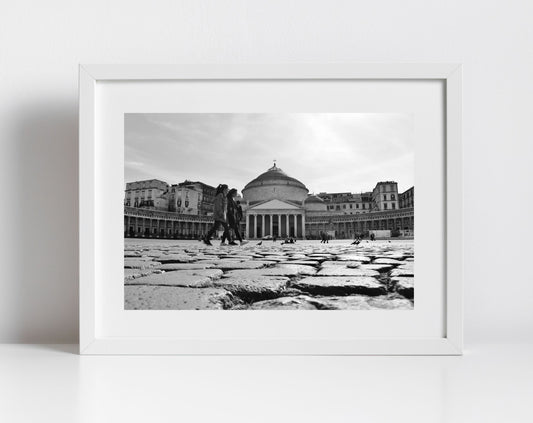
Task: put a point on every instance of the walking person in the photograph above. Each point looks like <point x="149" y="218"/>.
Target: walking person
<point x="219" y="214"/>
<point x="238" y="217"/>
<point x="233" y="217"/>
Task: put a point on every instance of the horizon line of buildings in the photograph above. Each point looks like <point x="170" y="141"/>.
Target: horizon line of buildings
<point x="274" y="204"/>
<point x="197" y="198"/>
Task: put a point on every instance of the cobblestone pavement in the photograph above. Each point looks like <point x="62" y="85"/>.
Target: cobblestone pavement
<point x="307" y="275"/>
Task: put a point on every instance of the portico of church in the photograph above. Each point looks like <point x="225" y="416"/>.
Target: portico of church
<point x="276" y="218"/>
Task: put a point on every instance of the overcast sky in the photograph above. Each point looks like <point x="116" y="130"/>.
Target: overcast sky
<point x="337" y="152"/>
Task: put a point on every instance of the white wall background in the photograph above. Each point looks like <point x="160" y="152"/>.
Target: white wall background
<point x="41" y="44"/>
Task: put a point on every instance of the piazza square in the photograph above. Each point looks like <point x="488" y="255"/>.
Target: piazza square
<point x="306" y="275"/>
<point x="331" y="251"/>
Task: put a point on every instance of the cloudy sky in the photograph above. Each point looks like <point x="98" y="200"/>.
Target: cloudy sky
<point x="334" y="152"/>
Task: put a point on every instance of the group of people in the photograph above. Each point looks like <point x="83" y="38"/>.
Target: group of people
<point x="228" y="214"/>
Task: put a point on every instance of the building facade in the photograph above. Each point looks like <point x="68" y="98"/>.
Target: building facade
<point x="385" y="196"/>
<point x="206" y="196"/>
<point x="274" y="205"/>
<point x="145" y="193"/>
<point x="280" y="206"/>
<point x="184" y="200"/>
<point x="347" y="202"/>
<point x="407" y="198"/>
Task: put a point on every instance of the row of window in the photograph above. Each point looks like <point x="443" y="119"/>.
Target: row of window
<point x="142" y="203"/>
<point x="338" y="206"/>
<point x="141" y="198"/>
<point x="141" y="193"/>
<point x="386" y="206"/>
<point x="392" y="197"/>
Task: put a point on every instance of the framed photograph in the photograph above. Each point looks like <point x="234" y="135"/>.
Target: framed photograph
<point x="270" y="209"/>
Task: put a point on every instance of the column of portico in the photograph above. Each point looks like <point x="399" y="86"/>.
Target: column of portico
<point x="295" y="221"/>
<point x="279" y="226"/>
<point x="287" y="224"/>
<point x="254" y="229"/>
<point x="262" y="225"/>
<point x="271" y="225"/>
<point x="303" y="225"/>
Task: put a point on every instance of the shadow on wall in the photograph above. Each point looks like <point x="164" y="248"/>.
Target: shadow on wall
<point x="44" y="298"/>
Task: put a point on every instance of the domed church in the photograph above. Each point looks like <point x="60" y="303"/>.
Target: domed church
<point x="276" y="205"/>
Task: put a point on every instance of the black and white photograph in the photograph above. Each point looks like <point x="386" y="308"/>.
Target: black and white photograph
<point x="269" y="211"/>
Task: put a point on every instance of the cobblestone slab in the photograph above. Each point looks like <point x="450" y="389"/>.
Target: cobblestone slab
<point x="136" y="273"/>
<point x="404" y="286"/>
<point x="143" y="297"/>
<point x="353" y="257"/>
<point x="346" y="271"/>
<point x="393" y="256"/>
<point x="331" y="285"/>
<point x="187" y="278"/>
<point x="285" y="303"/>
<point x="185" y="266"/>
<point x="350" y="302"/>
<point x="275" y="259"/>
<point x="403" y="271"/>
<point x="233" y="265"/>
<point x="331" y="263"/>
<point x="388" y="303"/>
<point x="377" y="267"/>
<point x="140" y="264"/>
<point x="174" y="258"/>
<point x="303" y="262"/>
<point x="278" y="270"/>
<point x="297" y="257"/>
<point x="254" y="288"/>
<point x="387" y="261"/>
<point x="152" y="253"/>
<point x="361" y="302"/>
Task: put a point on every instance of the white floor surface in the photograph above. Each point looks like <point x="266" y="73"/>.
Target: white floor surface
<point x="41" y="383"/>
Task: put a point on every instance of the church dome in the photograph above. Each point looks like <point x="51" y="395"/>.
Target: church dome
<point x="315" y="203"/>
<point x="275" y="184"/>
<point x="314" y="199"/>
<point x="274" y="175"/>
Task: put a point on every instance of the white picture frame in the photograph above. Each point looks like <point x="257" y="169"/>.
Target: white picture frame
<point x="93" y="341"/>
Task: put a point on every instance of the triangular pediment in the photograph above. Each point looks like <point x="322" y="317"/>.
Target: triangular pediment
<point x="274" y="205"/>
